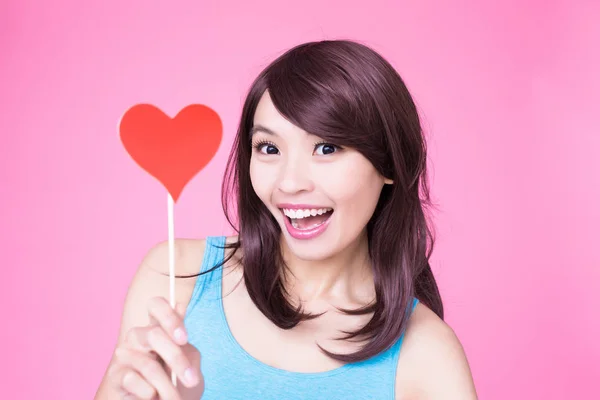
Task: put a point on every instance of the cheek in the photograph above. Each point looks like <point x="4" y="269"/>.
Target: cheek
<point x="262" y="179"/>
<point x="356" y="187"/>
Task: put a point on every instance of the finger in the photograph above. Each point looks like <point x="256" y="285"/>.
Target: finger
<point x="137" y="339"/>
<point x="151" y="371"/>
<point x="129" y="396"/>
<point x="172" y="323"/>
<point x="125" y="395"/>
<point x="180" y="309"/>
<point x="136" y="386"/>
<point x="173" y="356"/>
<point x="121" y="379"/>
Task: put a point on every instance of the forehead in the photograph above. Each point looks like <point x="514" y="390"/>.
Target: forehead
<point x="265" y="110"/>
<point x="269" y="120"/>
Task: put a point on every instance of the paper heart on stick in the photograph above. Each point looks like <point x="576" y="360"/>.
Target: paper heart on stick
<point x="173" y="150"/>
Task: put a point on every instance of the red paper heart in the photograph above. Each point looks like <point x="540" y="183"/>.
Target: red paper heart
<point x="173" y="150"/>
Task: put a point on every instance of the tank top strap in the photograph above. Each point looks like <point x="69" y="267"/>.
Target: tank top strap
<point x="398" y="345"/>
<point x="214" y="254"/>
<point x="231" y="373"/>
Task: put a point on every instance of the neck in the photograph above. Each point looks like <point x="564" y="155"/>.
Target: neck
<point x="342" y="278"/>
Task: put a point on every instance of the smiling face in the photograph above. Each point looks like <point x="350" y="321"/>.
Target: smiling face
<point x="321" y="195"/>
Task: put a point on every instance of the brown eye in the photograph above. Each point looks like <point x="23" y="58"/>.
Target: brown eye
<point x="326" y="148"/>
<point x="266" y="148"/>
<point x="270" y="149"/>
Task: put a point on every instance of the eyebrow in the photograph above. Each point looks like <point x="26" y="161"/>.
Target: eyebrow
<point x="261" y="128"/>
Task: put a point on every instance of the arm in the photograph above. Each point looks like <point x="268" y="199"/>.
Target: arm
<point x="432" y="364"/>
<point x="149" y="281"/>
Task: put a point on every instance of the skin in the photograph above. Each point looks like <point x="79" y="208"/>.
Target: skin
<point x="327" y="272"/>
<point x="293" y="168"/>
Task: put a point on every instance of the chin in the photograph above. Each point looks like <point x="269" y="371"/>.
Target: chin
<point x="320" y="248"/>
<point x="310" y="251"/>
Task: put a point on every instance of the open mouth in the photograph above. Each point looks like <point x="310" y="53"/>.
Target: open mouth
<point x="307" y="219"/>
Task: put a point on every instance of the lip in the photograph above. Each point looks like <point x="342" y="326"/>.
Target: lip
<point x="289" y="206"/>
<point x="305" y="234"/>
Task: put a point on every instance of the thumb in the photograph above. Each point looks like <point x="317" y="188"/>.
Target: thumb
<point x="180" y="309"/>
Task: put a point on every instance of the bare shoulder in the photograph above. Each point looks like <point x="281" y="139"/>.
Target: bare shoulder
<point x="432" y="362"/>
<point x="188" y="253"/>
<point x="151" y="280"/>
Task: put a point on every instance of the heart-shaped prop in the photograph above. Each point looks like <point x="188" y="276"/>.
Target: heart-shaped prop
<point x="173" y="150"/>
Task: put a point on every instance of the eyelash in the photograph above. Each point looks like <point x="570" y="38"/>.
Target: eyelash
<point x="261" y="143"/>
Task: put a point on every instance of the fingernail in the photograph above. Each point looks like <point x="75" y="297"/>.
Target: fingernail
<point x="190" y="376"/>
<point x="180" y="335"/>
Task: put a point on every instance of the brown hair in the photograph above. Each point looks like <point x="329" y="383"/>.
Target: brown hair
<point x="349" y="95"/>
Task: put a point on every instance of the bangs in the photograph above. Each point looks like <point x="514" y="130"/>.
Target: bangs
<point x="317" y="94"/>
<point x="347" y="94"/>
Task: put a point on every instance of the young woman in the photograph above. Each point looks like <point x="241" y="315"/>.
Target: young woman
<point x="326" y="290"/>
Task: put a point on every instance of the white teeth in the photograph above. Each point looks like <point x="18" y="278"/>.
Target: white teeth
<point x="299" y="214"/>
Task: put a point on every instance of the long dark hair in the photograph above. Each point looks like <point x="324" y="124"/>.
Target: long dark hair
<point x="349" y="95"/>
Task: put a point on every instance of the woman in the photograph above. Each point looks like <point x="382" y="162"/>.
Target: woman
<point x="328" y="278"/>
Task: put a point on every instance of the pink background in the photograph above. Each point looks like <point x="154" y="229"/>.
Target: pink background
<point x="510" y="96"/>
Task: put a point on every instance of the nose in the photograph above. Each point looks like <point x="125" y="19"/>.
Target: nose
<point x="295" y="177"/>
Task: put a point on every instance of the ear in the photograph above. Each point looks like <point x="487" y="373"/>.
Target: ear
<point x="388" y="181"/>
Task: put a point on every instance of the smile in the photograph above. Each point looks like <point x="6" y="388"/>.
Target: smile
<point x="306" y="223"/>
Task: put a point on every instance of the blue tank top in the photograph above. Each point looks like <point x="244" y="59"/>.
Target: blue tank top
<point x="230" y="373"/>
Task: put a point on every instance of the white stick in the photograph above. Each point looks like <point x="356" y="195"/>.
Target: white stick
<point x="171" y="263"/>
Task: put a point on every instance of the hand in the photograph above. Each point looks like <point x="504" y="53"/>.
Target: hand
<point x="143" y="363"/>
